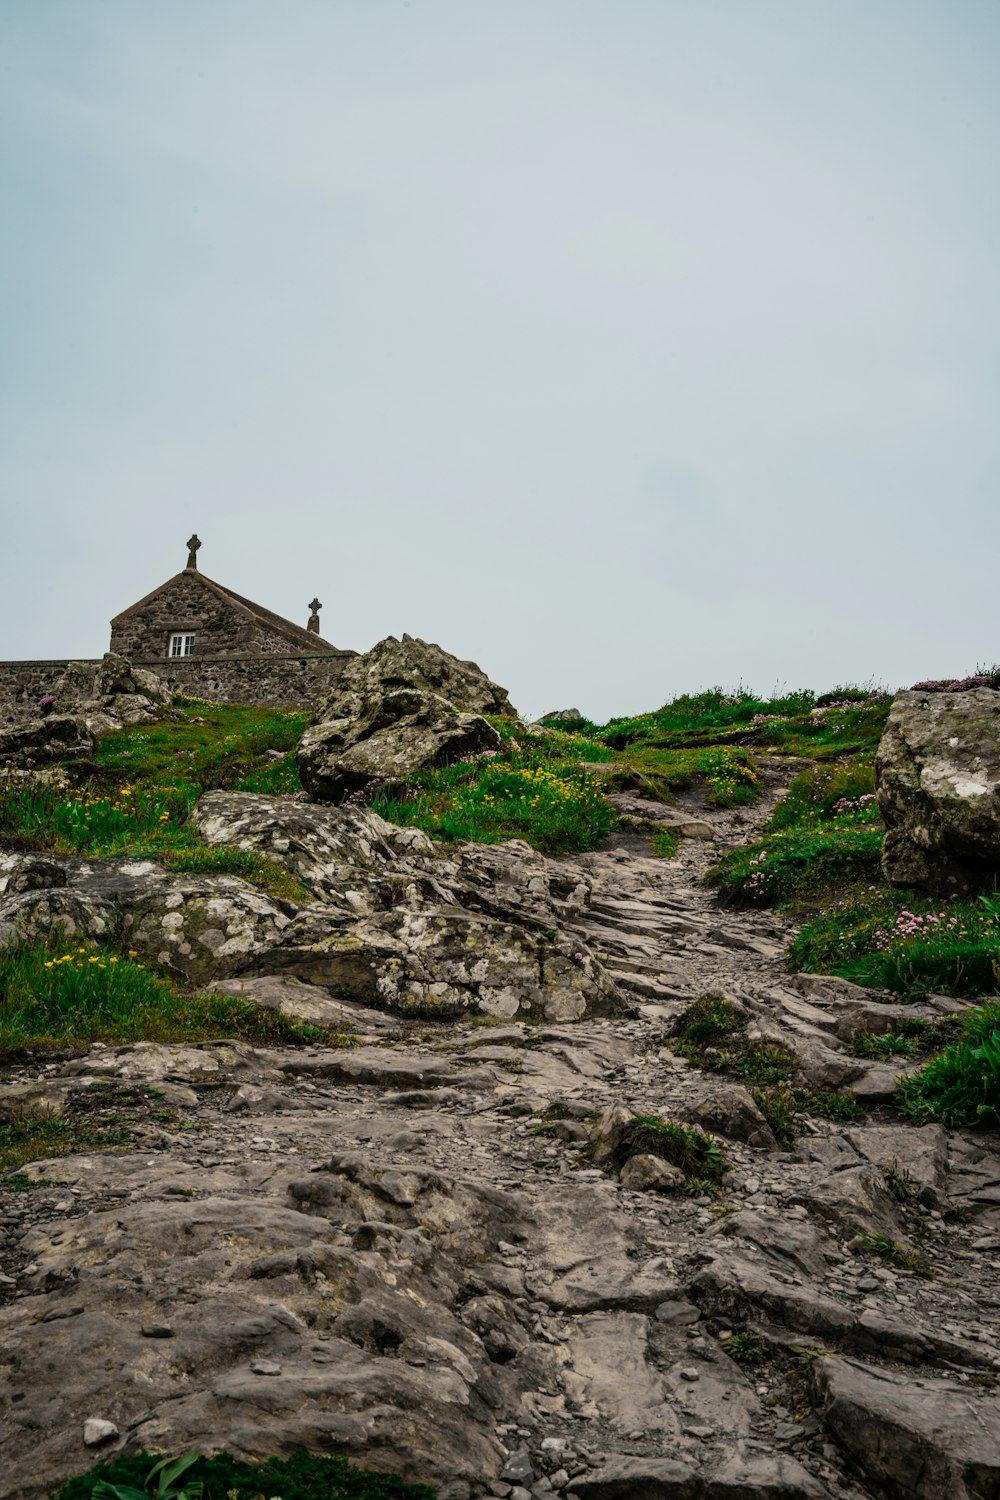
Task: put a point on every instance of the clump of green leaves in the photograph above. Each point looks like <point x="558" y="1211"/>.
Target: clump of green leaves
<point x="883" y="1046"/>
<point x="302" y="1476"/>
<point x="747" y="1349"/>
<point x="697" y="1155"/>
<point x="899" y="1181"/>
<point x="961" y="1085"/>
<point x="891" y="1251"/>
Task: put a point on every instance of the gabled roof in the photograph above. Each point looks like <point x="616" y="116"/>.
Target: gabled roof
<point x="296" y="635"/>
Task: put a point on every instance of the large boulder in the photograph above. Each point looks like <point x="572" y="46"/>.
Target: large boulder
<point x="938" y="783"/>
<point x="395" y="924"/>
<point x="411" y="663"/>
<point x="403" y="706"/>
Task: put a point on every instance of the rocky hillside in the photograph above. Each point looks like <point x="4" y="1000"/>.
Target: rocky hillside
<point x="562" y="1163"/>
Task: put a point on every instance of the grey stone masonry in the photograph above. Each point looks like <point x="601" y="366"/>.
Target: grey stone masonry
<point x="294" y="681"/>
<point x="222" y="624"/>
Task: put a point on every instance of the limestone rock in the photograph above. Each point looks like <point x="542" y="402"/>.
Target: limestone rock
<point x="622" y="1477"/>
<point x="938" y="781"/>
<point x="59" y="737"/>
<point x="560" y="716"/>
<point x="403" y="706"/>
<point x="411" y="663"/>
<point x="98" y="1430"/>
<point x="928" y="1441"/>
<point x="650" y="1174"/>
<point x="764" y="1476"/>
<point x="443" y="962"/>
<point x="418" y="930"/>
<point x="730" y="1111"/>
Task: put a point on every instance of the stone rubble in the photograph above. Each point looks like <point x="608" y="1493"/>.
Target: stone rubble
<point x="399" y="1251"/>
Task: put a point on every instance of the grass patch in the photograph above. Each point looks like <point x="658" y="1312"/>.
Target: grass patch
<point x="135" y="797"/>
<point x="70" y="996"/>
<point x="909" y="944"/>
<point x="33" y="1138"/>
<point x="838" y="794"/>
<point x="697" y="1155"/>
<point x="844" y="721"/>
<point x="961" y="1086"/>
<point x="224" y="859"/>
<point x="894" y="1253"/>
<point x="747" y="1349"/>
<point x="20" y="1182"/>
<point x="303" y="1476"/>
<point x="804" y="861"/>
<point x="532" y="789"/>
<point x="665" y="843"/>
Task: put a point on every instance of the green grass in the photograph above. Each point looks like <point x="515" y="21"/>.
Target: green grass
<point x="848" y="720"/>
<point x="696" y="1154"/>
<point x="532" y="789"/>
<point x="731" y="776"/>
<point x="63" y="995"/>
<point x="303" y="1476"/>
<point x="799" y="863"/>
<point x="905" y="943"/>
<point x="961" y="1085"/>
<point x="665" y="843"/>
<point x="747" y="1349"/>
<point x="137" y="794"/>
<point x="827" y="793"/>
<point x="894" y="1253"/>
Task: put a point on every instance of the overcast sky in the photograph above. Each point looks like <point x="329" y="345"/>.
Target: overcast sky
<point x="625" y="346"/>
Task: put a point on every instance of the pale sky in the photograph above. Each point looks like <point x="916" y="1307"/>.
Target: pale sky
<point x="627" y="347"/>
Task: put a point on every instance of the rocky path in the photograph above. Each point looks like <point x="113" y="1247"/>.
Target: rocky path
<point x="394" y="1250"/>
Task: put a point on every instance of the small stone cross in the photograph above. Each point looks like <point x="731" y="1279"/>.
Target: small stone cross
<point x="193" y="545"/>
<point x="313" y="625"/>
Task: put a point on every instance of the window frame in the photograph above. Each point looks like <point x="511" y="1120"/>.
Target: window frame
<point x="185" y="639"/>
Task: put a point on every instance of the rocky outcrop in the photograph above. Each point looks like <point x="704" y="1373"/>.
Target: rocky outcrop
<point x="938" y="783"/>
<point x="400" y="708"/>
<point x="56" y="738"/>
<point x="393" y="924"/>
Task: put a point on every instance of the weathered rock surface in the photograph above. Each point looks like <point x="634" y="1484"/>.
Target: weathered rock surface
<point x="59" y="737"/>
<point x="926" y="1439"/>
<point x="938" y="783"/>
<point x="394" y="924"/>
<point x="401" y="707"/>
<point x="402" y="1251"/>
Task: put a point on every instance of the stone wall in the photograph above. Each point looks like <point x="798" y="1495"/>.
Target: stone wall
<point x="275" y="681"/>
<point x="190" y="603"/>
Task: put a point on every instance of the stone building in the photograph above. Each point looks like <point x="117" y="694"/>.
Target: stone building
<point x="206" y="641"/>
<point x="193" y="616"/>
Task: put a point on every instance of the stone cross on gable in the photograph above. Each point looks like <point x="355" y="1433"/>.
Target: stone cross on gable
<point x="193" y="545"/>
<point x="313" y="625"/>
